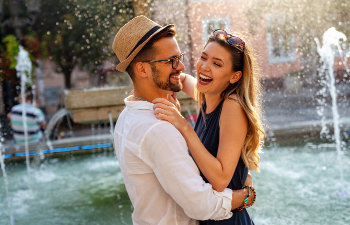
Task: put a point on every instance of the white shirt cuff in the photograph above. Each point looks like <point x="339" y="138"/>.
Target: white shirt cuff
<point x="226" y="197"/>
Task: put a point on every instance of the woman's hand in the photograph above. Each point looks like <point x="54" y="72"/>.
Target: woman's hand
<point x="172" y="98"/>
<point x="168" y="111"/>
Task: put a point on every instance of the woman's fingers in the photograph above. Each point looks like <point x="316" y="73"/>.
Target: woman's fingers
<point x="161" y="100"/>
<point x="161" y="106"/>
<point x="161" y="116"/>
<point x="161" y="111"/>
<point x="172" y="98"/>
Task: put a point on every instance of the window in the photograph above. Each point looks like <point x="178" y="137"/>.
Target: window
<point x="281" y="47"/>
<point x="211" y="24"/>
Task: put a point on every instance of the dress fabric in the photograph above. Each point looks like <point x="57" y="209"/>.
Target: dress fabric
<point x="208" y="132"/>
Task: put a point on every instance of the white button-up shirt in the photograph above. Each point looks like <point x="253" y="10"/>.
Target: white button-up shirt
<point x="161" y="178"/>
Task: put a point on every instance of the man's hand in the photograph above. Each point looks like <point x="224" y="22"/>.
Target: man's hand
<point x="239" y="195"/>
<point x="249" y="180"/>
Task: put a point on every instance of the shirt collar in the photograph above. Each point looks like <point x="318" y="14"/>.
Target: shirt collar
<point x="138" y="105"/>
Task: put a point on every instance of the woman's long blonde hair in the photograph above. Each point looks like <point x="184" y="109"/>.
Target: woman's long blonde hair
<point x="248" y="93"/>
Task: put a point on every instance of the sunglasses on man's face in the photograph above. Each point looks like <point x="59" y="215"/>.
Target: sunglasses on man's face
<point x="174" y="60"/>
<point x="230" y="39"/>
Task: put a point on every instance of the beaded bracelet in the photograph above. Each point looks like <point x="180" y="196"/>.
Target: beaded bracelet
<point x="245" y="201"/>
<point x="254" y="197"/>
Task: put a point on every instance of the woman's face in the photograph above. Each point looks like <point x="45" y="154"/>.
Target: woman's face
<point x="214" y="69"/>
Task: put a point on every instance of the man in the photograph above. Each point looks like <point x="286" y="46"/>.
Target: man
<point x="161" y="178"/>
<point x="35" y="120"/>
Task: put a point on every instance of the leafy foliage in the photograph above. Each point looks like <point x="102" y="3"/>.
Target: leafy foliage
<point x="79" y="32"/>
<point x="11" y="50"/>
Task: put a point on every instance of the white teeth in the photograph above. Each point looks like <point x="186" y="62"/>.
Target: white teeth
<point x="204" y="77"/>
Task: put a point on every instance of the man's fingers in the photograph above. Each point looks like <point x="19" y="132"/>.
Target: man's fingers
<point x="249" y="180"/>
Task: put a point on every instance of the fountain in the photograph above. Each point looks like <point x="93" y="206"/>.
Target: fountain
<point x="331" y="45"/>
<point x="299" y="181"/>
<point x="24" y="69"/>
<point x="4" y="174"/>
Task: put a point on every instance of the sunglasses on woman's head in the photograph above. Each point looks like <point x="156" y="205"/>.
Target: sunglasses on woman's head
<point x="230" y="39"/>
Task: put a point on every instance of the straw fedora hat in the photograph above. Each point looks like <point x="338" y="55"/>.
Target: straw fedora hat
<point x="131" y="38"/>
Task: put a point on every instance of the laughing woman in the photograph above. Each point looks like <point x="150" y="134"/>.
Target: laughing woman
<point x="228" y="133"/>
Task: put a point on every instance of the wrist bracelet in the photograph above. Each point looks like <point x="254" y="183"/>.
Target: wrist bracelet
<point x="254" y="193"/>
<point x="245" y="201"/>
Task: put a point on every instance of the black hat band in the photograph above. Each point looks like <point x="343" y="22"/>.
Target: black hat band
<point x="144" y="38"/>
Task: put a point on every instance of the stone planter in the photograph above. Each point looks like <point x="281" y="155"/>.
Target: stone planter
<point x="94" y="105"/>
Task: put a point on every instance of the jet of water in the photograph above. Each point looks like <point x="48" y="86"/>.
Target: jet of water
<point x="24" y="68"/>
<point x="330" y="45"/>
<point x="4" y="174"/>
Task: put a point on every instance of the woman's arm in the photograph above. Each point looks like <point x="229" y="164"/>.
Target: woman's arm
<point x="188" y="83"/>
<point x="233" y="129"/>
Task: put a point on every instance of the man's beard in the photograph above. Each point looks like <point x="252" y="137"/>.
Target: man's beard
<point x="167" y="85"/>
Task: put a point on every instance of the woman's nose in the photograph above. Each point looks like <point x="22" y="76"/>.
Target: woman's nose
<point x="205" y="66"/>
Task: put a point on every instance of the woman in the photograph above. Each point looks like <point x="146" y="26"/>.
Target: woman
<point x="228" y="133"/>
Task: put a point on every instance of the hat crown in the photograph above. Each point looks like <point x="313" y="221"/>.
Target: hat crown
<point x="130" y="34"/>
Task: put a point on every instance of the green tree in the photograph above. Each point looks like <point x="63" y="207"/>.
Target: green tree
<point x="79" y="32"/>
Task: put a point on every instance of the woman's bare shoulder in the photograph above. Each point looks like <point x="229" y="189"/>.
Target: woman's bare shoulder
<point x="231" y="103"/>
<point x="232" y="111"/>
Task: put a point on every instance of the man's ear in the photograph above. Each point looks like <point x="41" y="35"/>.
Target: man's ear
<point x="235" y="77"/>
<point x="140" y="69"/>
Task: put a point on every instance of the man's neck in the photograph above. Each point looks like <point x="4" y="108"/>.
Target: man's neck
<point x="150" y="95"/>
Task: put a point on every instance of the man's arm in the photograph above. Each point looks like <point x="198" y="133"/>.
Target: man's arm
<point x="9" y="116"/>
<point x="166" y="152"/>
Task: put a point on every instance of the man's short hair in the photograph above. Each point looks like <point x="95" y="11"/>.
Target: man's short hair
<point x="148" y="52"/>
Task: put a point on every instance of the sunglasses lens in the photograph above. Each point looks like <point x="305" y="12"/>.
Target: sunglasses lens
<point x="234" y="41"/>
<point x="220" y="32"/>
<point x="175" y="63"/>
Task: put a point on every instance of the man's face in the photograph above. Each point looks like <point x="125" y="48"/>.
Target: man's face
<point x="164" y="76"/>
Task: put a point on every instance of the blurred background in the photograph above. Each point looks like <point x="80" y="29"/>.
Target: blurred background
<point x="302" y="52"/>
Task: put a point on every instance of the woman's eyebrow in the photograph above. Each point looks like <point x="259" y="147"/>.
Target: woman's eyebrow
<point x="218" y="59"/>
<point x="215" y="58"/>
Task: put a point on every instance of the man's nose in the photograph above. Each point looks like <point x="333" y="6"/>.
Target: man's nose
<point x="181" y="66"/>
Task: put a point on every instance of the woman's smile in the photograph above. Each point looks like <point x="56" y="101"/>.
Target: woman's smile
<point x="204" y="79"/>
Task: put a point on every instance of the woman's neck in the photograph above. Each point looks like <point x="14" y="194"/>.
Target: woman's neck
<point x="212" y="101"/>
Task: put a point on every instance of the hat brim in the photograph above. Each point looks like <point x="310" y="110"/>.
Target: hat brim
<point x="123" y="65"/>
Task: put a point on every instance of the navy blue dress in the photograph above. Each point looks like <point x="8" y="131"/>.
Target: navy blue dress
<point x="208" y="133"/>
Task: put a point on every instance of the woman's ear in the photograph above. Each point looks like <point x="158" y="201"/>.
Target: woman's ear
<point x="235" y="77"/>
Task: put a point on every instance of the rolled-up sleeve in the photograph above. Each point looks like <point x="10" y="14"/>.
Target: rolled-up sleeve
<point x="165" y="150"/>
